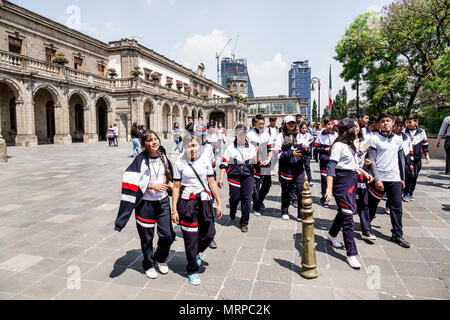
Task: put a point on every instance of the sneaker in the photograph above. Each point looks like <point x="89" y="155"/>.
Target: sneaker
<point x="198" y="260"/>
<point x="232" y="217"/>
<point x="262" y="206"/>
<point x="411" y="198"/>
<point x="151" y="273"/>
<point x="163" y="267"/>
<point x="406" y="197"/>
<point x="244" y="228"/>
<point x="256" y="213"/>
<point x="368" y="235"/>
<point x="400" y="241"/>
<point x="326" y="205"/>
<point x="295" y="204"/>
<point x="334" y="242"/>
<point x="194" y="279"/>
<point x="387" y="210"/>
<point x="285" y="217"/>
<point x="213" y="244"/>
<point x="353" y="262"/>
<point x="299" y="219"/>
<point x="311" y="184"/>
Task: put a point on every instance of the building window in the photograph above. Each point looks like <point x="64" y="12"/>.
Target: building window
<point x="290" y="107"/>
<point x="277" y="107"/>
<point x="79" y="125"/>
<point x="12" y="114"/>
<point x="303" y="110"/>
<point x="78" y="63"/>
<point x="49" y="54"/>
<point x="15" y="45"/>
<point x="293" y="74"/>
<point x="147" y="76"/>
<point x="293" y="84"/>
<point x="264" y="108"/>
<point x="101" y="70"/>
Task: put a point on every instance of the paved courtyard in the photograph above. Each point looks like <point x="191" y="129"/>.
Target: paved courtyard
<point x="57" y="210"/>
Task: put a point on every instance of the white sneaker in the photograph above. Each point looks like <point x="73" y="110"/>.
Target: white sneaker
<point x="256" y="213"/>
<point x="299" y="219"/>
<point x="151" y="273"/>
<point x="387" y="210"/>
<point x="163" y="268"/>
<point x="199" y="260"/>
<point x="194" y="279"/>
<point x="334" y="242"/>
<point x="353" y="262"/>
<point x="285" y="217"/>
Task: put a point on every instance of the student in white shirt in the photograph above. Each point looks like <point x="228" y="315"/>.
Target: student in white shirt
<point x="221" y="133"/>
<point x="273" y="131"/>
<point x="342" y="177"/>
<point x="211" y="137"/>
<point x="387" y="153"/>
<point x="194" y="186"/>
<point x="306" y="138"/>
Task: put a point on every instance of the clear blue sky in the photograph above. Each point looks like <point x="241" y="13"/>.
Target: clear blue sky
<point x="272" y="34"/>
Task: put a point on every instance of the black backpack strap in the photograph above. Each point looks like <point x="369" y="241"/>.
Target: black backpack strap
<point x="198" y="177"/>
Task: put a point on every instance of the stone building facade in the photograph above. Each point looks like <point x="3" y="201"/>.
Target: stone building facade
<point x="276" y="106"/>
<point x="44" y="102"/>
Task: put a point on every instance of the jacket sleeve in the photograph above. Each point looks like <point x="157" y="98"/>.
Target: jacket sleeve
<point x="372" y="155"/>
<point x="130" y="188"/>
<point x="401" y="164"/>
<point x="286" y="154"/>
<point x="425" y="143"/>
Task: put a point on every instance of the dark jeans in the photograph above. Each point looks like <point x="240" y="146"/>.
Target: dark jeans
<point x="261" y="188"/>
<point x="241" y="188"/>
<point x="412" y="173"/>
<point x="289" y="187"/>
<point x="147" y="214"/>
<point x="307" y="163"/>
<point x="447" y="152"/>
<point x="393" y="191"/>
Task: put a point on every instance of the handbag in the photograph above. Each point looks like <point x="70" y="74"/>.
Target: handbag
<point x="211" y="201"/>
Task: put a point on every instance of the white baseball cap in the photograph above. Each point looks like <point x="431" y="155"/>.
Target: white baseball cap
<point x="288" y="119"/>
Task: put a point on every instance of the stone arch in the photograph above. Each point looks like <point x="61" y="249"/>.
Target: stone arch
<point x="165" y="111"/>
<point x="77" y="103"/>
<point x="184" y="116"/>
<point x="83" y="95"/>
<point x="194" y="114"/>
<point x="107" y="99"/>
<point x="101" y="111"/>
<point x="51" y="89"/>
<point x="45" y="100"/>
<point x="11" y="95"/>
<point x="176" y="114"/>
<point x="149" y="113"/>
<point x="217" y="115"/>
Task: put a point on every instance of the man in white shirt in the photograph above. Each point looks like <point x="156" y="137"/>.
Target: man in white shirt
<point x="116" y="135"/>
<point x="444" y="133"/>
<point x="261" y="140"/>
<point x="273" y="131"/>
<point x="387" y="153"/>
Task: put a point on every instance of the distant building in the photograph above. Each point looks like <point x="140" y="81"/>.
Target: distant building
<point x="300" y="83"/>
<point x="275" y="106"/>
<point x="235" y="68"/>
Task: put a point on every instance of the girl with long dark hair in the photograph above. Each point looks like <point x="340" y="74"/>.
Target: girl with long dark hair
<point x="145" y="187"/>
<point x="342" y="178"/>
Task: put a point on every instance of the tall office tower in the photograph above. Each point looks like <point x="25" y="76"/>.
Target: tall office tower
<point x="235" y="68"/>
<point x="300" y="84"/>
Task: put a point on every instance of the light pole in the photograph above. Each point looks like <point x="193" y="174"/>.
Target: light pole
<point x="347" y="47"/>
<point x="316" y="80"/>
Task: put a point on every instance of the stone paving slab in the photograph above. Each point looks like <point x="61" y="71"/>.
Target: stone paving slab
<point x="56" y="225"/>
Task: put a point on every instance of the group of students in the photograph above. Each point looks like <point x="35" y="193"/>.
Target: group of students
<point x="359" y="165"/>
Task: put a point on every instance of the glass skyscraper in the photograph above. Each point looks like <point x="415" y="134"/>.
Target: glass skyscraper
<point x="235" y="68"/>
<point x="300" y="84"/>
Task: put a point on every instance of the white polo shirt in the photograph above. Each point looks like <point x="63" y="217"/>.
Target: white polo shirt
<point x="345" y="157"/>
<point x="387" y="156"/>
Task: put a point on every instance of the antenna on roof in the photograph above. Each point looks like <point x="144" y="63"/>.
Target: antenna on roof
<point x="233" y="51"/>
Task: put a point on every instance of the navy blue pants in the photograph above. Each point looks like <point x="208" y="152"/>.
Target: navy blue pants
<point x="362" y="203"/>
<point x="393" y="192"/>
<point x="323" y="164"/>
<point x="307" y="165"/>
<point x="447" y="153"/>
<point x="411" y="175"/>
<point x="344" y="192"/>
<point x="292" y="186"/>
<point x="147" y="214"/>
<point x="197" y="226"/>
<point x="261" y="188"/>
<point x="241" y="188"/>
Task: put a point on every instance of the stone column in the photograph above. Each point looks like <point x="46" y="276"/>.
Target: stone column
<point x="90" y="134"/>
<point x="62" y="126"/>
<point x="26" y="134"/>
<point x="3" y="153"/>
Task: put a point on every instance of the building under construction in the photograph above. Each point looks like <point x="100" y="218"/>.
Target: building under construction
<point x="235" y="68"/>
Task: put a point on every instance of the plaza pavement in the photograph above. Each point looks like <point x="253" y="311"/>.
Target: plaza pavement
<point x="57" y="210"/>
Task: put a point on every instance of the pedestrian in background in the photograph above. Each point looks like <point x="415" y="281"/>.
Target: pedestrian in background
<point x="444" y="133"/>
<point x="116" y="135"/>
<point x="135" y="140"/>
<point x="110" y="136"/>
<point x="176" y="134"/>
<point x="221" y="133"/>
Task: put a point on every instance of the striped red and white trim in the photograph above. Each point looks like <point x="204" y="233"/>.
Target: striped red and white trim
<point x="146" y="223"/>
<point x="234" y="183"/>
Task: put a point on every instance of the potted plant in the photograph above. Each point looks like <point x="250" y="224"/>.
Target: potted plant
<point x="156" y="76"/>
<point x="111" y="73"/>
<point x="179" y="85"/>
<point x="196" y="91"/>
<point x="204" y="96"/>
<point x="60" y="58"/>
<point x="136" y="72"/>
<point x="169" y="82"/>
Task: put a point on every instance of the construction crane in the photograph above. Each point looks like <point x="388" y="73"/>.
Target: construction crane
<point x="218" y="57"/>
<point x="233" y="51"/>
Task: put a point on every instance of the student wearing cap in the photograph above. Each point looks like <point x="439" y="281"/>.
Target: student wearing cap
<point x="194" y="186"/>
<point x="342" y="178"/>
<point x="258" y="137"/>
<point x="419" y="142"/>
<point x="290" y="151"/>
<point x="237" y="161"/>
<point x="306" y="138"/>
<point x="336" y="126"/>
<point x="386" y="152"/>
<point x="323" y="143"/>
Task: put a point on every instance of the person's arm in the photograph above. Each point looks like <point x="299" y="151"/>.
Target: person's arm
<point x="425" y="147"/>
<point x="401" y="166"/>
<point x="215" y="191"/>
<point x="442" y="130"/>
<point x="175" y="197"/>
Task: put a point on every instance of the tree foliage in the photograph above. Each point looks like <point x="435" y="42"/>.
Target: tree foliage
<point x="403" y="55"/>
<point x="314" y="111"/>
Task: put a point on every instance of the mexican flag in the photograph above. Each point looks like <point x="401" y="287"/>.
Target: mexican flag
<point x="330" y="101"/>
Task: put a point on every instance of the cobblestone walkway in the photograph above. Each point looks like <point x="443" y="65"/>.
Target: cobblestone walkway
<point x="57" y="210"/>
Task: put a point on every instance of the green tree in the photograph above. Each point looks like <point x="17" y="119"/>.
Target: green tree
<point x="339" y="109"/>
<point x="314" y="111"/>
<point x="402" y="55"/>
